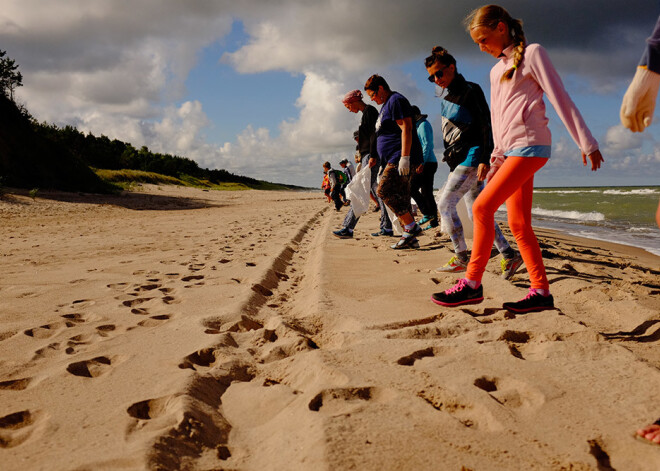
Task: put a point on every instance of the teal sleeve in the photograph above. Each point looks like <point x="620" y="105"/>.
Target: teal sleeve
<point x="425" y="133"/>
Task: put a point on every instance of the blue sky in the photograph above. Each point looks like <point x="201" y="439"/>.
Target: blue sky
<point x="256" y="87"/>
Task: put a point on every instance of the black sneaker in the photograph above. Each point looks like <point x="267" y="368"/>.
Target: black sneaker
<point x="531" y="303"/>
<point x="459" y="294"/>
<point x="406" y="243"/>
<point x="343" y="233"/>
<point x="383" y="233"/>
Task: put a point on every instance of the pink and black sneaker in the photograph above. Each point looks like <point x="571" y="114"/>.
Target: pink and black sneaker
<point x="459" y="294"/>
<point x="533" y="302"/>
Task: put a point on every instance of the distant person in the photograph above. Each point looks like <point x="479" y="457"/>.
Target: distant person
<point x="325" y="186"/>
<point x="422" y="180"/>
<point x="522" y="142"/>
<point x="335" y="179"/>
<point x="636" y="114"/>
<point x="398" y="145"/>
<point x="366" y="147"/>
<point x="468" y="143"/>
<point x="348" y="169"/>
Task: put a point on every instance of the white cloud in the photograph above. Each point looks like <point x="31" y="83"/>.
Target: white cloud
<point x="119" y="68"/>
<point x="619" y="138"/>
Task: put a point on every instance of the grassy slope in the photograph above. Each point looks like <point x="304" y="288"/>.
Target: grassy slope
<point x="127" y="178"/>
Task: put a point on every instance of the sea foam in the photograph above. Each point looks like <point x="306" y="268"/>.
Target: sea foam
<point x="592" y="216"/>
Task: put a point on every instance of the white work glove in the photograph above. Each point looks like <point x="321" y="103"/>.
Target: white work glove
<point x="639" y="101"/>
<point x="404" y="165"/>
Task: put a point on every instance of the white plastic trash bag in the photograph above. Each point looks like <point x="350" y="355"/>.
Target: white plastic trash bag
<point x="358" y="191"/>
<point x="396" y="225"/>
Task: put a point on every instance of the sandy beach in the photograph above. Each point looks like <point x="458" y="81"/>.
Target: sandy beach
<point x="178" y="329"/>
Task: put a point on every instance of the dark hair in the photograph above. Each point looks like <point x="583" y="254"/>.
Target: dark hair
<point x="376" y="81"/>
<point x="327" y="165"/>
<point x="439" y="54"/>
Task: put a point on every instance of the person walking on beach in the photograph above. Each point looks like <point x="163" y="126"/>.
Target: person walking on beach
<point x="636" y="114"/>
<point x="366" y="143"/>
<point x="522" y="146"/>
<point x="422" y="180"/>
<point x="468" y="143"/>
<point x="397" y="144"/>
<point x="348" y="169"/>
<point x="335" y="179"/>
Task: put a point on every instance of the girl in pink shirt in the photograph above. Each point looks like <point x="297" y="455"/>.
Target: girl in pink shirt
<point x="522" y="146"/>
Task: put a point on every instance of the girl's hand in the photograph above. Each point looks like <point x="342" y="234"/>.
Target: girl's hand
<point x="482" y="171"/>
<point x="596" y="159"/>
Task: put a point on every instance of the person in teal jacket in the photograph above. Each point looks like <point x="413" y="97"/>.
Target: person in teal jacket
<point x="422" y="182"/>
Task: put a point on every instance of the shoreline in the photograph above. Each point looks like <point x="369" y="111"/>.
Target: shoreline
<point x="181" y="329"/>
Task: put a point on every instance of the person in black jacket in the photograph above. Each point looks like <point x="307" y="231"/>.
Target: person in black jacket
<point x="366" y="147"/>
<point x="468" y="140"/>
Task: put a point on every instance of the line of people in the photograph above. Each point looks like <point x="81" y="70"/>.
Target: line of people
<point x="503" y="146"/>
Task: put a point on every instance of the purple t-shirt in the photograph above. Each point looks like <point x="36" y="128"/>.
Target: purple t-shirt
<point x="388" y="133"/>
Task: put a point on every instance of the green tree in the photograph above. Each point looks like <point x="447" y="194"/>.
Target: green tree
<point x="10" y="77"/>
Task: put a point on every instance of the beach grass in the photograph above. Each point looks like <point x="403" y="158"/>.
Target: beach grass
<point x="127" y="179"/>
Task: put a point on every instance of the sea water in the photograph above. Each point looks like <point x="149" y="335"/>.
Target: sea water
<point x="625" y="215"/>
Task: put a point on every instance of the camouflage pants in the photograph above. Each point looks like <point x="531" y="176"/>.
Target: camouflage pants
<point x="394" y="190"/>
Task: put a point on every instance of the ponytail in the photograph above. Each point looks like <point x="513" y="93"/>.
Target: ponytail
<point x="519" y="43"/>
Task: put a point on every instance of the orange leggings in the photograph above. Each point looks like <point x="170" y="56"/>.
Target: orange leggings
<point x="514" y="184"/>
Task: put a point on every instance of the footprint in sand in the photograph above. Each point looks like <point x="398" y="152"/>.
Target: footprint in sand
<point x="410" y="360"/>
<point x="154" y="321"/>
<point x="104" y="330"/>
<point x="48" y="351"/>
<point x="170" y="300"/>
<point x="511" y="393"/>
<point x="470" y="414"/>
<point x="15" y="384"/>
<point x="151" y="408"/>
<point x="149" y="287"/>
<point x="140" y="311"/>
<point x="513" y="338"/>
<point x="192" y="278"/>
<point x="8" y="334"/>
<point x="205" y="357"/>
<point x="83" y="303"/>
<point x="90" y="368"/>
<point x="74" y="318"/>
<point x="74" y="343"/>
<point x="340" y="401"/>
<point x="44" y="331"/>
<point x="118" y="286"/>
<point x="17" y="427"/>
<point x="136" y="301"/>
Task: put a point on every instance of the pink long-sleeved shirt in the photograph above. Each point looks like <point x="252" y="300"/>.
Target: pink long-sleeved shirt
<point x="520" y="126"/>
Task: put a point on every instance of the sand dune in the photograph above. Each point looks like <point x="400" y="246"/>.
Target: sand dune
<point x="180" y="329"/>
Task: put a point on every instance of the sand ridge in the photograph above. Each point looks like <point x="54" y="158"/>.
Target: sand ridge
<point x="181" y="329"/>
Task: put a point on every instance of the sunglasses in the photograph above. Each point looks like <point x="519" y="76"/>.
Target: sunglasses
<point x="438" y="75"/>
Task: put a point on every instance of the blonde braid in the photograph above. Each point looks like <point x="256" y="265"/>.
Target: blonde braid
<point x="519" y="41"/>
